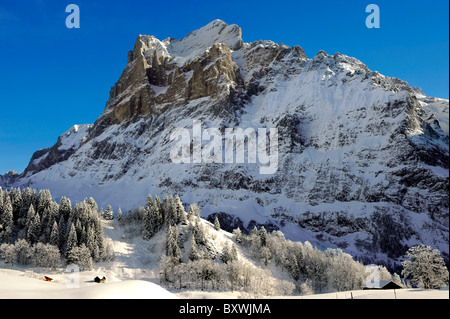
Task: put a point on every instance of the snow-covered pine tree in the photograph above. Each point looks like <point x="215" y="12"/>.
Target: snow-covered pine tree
<point x="44" y="200"/>
<point x="92" y="205"/>
<point x="193" y="211"/>
<point x="193" y="251"/>
<point x="233" y="253"/>
<point x="1" y="200"/>
<point x="199" y="232"/>
<point x="98" y="232"/>
<point x="149" y="202"/>
<point x="47" y="219"/>
<point x="28" y="220"/>
<point x="181" y="213"/>
<point x="168" y="211"/>
<point x="148" y="227"/>
<point x="16" y="201"/>
<point x="72" y="240"/>
<point x="157" y="216"/>
<point x="54" y="235"/>
<point x="65" y="207"/>
<point x="216" y="224"/>
<point x="91" y="244"/>
<point x="6" y="220"/>
<point x="238" y="235"/>
<point x="109" y="213"/>
<point x="263" y="236"/>
<point x="152" y="219"/>
<point x="34" y="230"/>
<point x="29" y="197"/>
<point x="80" y="256"/>
<point x="172" y="248"/>
<point x="226" y="254"/>
<point x="119" y="214"/>
<point x="61" y="232"/>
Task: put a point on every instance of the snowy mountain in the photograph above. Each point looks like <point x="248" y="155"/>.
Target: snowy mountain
<point x="363" y="159"/>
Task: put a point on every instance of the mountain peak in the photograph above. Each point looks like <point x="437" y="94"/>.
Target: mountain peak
<point x="196" y="42"/>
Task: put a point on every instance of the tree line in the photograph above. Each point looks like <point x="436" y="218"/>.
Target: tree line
<point x="36" y="230"/>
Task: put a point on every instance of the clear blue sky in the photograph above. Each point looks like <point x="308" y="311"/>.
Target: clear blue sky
<point x="53" y="77"/>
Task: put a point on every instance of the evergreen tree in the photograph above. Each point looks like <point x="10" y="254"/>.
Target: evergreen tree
<point x="28" y="198"/>
<point x="109" y="213"/>
<point x="157" y="203"/>
<point x="119" y="214"/>
<point x="148" y="227"/>
<point x="226" y="254"/>
<point x="149" y="202"/>
<point x="263" y="236"/>
<point x="157" y="216"/>
<point x="193" y="211"/>
<point x="30" y="216"/>
<point x="168" y="211"/>
<point x="6" y="220"/>
<point x="93" y="207"/>
<point x="180" y="212"/>
<point x="193" y="252"/>
<point x="80" y="256"/>
<point x="1" y="201"/>
<point x="233" y="253"/>
<point x="172" y="248"/>
<point x="91" y="244"/>
<point x="238" y="235"/>
<point x="65" y="207"/>
<point x="72" y="240"/>
<point x="16" y="201"/>
<point x="216" y="224"/>
<point x="61" y="233"/>
<point x="199" y="232"/>
<point x="34" y="230"/>
<point x="44" y="200"/>
<point x="54" y="235"/>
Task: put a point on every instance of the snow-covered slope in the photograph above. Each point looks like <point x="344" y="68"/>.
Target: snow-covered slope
<point x="16" y="285"/>
<point x="135" y="273"/>
<point x="362" y="158"/>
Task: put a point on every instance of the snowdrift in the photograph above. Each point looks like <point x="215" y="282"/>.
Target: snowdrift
<point x="20" y="287"/>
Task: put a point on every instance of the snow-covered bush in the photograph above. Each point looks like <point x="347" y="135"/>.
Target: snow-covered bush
<point x="425" y="267"/>
<point x="46" y="256"/>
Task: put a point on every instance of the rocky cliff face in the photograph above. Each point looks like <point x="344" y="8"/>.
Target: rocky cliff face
<point x="362" y="158"/>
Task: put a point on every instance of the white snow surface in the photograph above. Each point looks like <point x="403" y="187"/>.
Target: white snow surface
<point x="74" y="136"/>
<point x="17" y="285"/>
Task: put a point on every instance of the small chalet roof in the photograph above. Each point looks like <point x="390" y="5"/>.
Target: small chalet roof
<point x="382" y="284"/>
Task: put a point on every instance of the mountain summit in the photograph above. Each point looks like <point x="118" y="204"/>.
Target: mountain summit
<point x="362" y="157"/>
